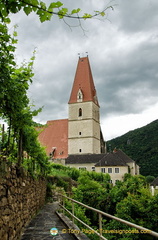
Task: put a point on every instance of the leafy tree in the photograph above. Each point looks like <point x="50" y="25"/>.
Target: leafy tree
<point x="149" y="179"/>
<point x="15" y="108"/>
<point x="92" y="193"/>
<point x="129" y="199"/>
<point x="14" y="85"/>
<point x="131" y="184"/>
<point x="99" y="177"/>
<point x="137" y="209"/>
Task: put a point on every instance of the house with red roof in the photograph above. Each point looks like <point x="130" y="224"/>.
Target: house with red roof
<point x="78" y="141"/>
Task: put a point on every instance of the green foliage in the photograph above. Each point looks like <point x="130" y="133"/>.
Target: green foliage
<point x="73" y="173"/>
<point x="65" y="171"/>
<point x="79" y="212"/>
<point x="131" y="184"/>
<point x="63" y="176"/>
<point x="141" y="146"/>
<point x="149" y="179"/>
<point x="49" y="191"/>
<point x="85" y="183"/>
<point x="21" y="137"/>
<point x="130" y="200"/>
<point x="137" y="209"/>
<point x="75" y="10"/>
<point x="92" y="193"/>
<point x="60" y="182"/>
<point x="44" y="12"/>
<point x="86" y="15"/>
<point x="77" y="175"/>
<point x="99" y="177"/>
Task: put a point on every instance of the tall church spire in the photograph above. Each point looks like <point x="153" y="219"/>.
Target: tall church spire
<point x="83" y="89"/>
<point x="84" y="116"/>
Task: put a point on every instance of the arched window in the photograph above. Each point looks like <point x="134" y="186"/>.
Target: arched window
<point x="79" y="96"/>
<point x="80" y="112"/>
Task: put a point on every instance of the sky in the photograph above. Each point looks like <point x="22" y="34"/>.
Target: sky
<point x="123" y="54"/>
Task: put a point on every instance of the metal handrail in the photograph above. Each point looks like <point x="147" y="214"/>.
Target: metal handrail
<point x="101" y="213"/>
<point x="79" y="220"/>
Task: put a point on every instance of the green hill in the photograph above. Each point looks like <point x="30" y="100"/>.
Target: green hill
<point x="142" y="146"/>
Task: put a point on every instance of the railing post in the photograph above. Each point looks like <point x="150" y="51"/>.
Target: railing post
<point x="58" y="198"/>
<point x="73" y="211"/>
<point x="63" y="203"/>
<point x="100" y="224"/>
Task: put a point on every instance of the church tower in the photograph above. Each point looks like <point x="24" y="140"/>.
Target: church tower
<point x="84" y="133"/>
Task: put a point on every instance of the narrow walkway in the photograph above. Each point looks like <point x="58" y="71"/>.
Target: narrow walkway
<point x="40" y="226"/>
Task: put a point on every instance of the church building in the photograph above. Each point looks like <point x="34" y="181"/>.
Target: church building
<point x="78" y="141"/>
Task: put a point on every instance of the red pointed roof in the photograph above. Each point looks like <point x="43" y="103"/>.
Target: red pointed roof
<point x="54" y="136"/>
<point x="83" y="81"/>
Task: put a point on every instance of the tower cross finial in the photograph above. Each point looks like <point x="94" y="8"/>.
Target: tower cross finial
<point x="83" y="54"/>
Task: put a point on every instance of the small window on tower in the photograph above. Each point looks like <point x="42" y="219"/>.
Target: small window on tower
<point x="79" y="133"/>
<point x="80" y="150"/>
<point x="80" y="112"/>
<point x="79" y="96"/>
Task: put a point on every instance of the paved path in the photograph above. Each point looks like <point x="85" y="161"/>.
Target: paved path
<point x="39" y="227"/>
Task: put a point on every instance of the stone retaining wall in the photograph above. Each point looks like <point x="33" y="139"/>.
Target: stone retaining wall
<point x="21" y="197"/>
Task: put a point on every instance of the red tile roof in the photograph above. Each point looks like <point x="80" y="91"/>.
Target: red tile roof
<point x="84" y="81"/>
<point x="54" y="136"/>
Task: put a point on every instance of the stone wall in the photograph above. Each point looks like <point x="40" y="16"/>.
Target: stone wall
<point x="21" y="197"/>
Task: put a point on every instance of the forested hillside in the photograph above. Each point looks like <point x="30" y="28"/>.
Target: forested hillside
<point x="142" y="146"/>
